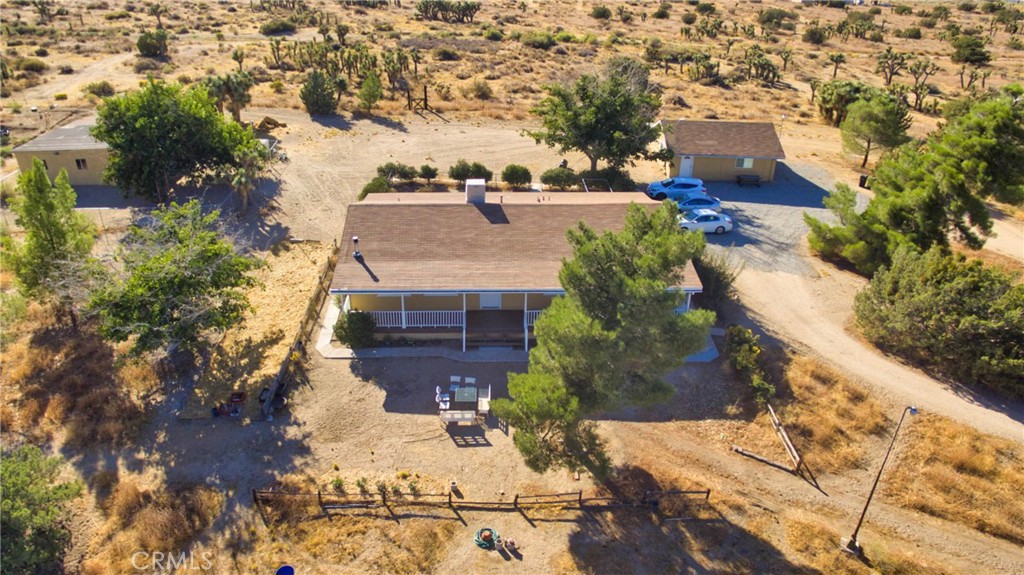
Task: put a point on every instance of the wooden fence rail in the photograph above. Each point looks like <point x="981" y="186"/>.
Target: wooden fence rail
<point x="340" y="501"/>
<point x="310" y="319"/>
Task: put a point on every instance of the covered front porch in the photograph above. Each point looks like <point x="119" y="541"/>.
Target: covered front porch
<point x="481" y="319"/>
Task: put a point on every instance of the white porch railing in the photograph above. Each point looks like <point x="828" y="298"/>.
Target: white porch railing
<point x="438" y="318"/>
<point x="531" y="316"/>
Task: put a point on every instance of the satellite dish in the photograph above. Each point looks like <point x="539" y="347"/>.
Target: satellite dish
<point x="285" y="570"/>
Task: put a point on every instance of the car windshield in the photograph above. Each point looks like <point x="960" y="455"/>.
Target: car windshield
<point x="690" y="215"/>
<point x="666" y="182"/>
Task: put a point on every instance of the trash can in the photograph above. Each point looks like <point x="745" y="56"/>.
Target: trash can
<point x="864" y="182"/>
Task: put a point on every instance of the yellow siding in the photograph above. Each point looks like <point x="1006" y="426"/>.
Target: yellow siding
<point x="371" y="302"/>
<point x="92" y="175"/>
<point x="724" y="169"/>
<point x="430" y="303"/>
<point x="512" y="301"/>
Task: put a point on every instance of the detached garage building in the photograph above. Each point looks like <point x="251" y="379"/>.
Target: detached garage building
<point x="70" y="148"/>
<point x="717" y="151"/>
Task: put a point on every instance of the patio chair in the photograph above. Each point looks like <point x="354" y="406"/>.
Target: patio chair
<point x="471" y="381"/>
<point x="455" y="380"/>
<point x="443" y="405"/>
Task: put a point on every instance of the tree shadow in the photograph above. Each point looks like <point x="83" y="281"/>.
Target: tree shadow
<point x="684" y="539"/>
<point x="795" y="185"/>
<point x="335" y="121"/>
<point x="411" y="383"/>
<point x="385" y="122"/>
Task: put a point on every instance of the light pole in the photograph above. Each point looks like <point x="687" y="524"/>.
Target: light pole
<point x="851" y="545"/>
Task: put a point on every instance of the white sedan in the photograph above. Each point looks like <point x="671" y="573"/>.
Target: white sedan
<point x="707" y="221"/>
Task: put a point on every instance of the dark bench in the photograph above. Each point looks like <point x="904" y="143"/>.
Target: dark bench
<point x="753" y="179"/>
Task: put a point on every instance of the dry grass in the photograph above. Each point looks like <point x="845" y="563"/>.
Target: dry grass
<point x="959" y="474"/>
<point x="818" y="546"/>
<point x="57" y="380"/>
<point x="828" y="417"/>
<point x="250" y="355"/>
<point x="163" y="519"/>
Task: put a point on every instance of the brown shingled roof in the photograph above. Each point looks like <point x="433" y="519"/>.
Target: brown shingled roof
<point x="410" y="247"/>
<point x="723" y="139"/>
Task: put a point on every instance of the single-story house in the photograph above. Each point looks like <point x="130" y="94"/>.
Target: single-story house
<point x="713" y="150"/>
<point x="70" y="148"/>
<point x="476" y="269"/>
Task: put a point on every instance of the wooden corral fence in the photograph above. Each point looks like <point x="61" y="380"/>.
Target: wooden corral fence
<point x="310" y="321"/>
<point x="417" y="104"/>
<point x="386" y="500"/>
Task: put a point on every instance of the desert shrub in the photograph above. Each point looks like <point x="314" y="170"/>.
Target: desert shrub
<point x="445" y="54"/>
<point x="102" y="89"/>
<point x="705" y="8"/>
<point x="958" y="317"/>
<point x="903" y="10"/>
<point x="909" y="33"/>
<point x="601" y="12"/>
<point x="478" y="89"/>
<point x="565" y="37"/>
<point x="119" y="15"/>
<point x="743" y="350"/>
<point x="145" y="65"/>
<point x="277" y="86"/>
<point x="277" y="26"/>
<point x="41" y="52"/>
<point x="1015" y="44"/>
<point x="516" y="175"/>
<point x="65" y="69"/>
<point x="396" y="170"/>
<point x="966" y="6"/>
<point x="970" y="50"/>
<point x="689" y="18"/>
<point x="814" y="35"/>
<point x="874" y="10"/>
<point x="717" y="274"/>
<point x="774" y="17"/>
<point x="662" y="12"/>
<point x="153" y="44"/>
<point x="428" y="172"/>
<point x="876" y="36"/>
<point x="355" y="329"/>
<point x="13" y="307"/>
<point x="493" y="34"/>
<point x="33" y="65"/>
<point x="463" y="170"/>
<point x="60" y="97"/>
<point x="377" y="185"/>
<point x="539" y="39"/>
<point x="561" y="178"/>
<point x="928" y="22"/>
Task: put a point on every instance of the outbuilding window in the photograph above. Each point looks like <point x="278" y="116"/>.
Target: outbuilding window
<point x="81" y="164"/>
<point x="745" y="163"/>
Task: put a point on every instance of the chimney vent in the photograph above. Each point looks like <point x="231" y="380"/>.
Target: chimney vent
<point x="476" y="191"/>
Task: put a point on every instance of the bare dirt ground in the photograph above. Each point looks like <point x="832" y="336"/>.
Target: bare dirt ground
<point x="373" y="420"/>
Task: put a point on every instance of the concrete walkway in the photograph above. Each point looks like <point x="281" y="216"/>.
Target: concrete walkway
<point x="331" y="349"/>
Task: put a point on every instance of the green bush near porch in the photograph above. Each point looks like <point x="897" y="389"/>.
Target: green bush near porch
<point x="355" y="329"/>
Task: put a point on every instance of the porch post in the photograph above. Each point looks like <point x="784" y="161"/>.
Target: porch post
<point x="463" y="322"/>
<point x="526" y="326"/>
<point x="403" y="310"/>
<point x="688" y="296"/>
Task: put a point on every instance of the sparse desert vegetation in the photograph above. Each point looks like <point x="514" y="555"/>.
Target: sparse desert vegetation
<point x="341" y="75"/>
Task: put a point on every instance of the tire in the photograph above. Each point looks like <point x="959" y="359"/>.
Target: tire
<point x="685" y="229"/>
<point x="719" y="230"/>
<point x="660" y="196"/>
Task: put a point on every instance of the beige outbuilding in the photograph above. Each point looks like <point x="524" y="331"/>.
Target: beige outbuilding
<point x="69" y="148"/>
<point x="715" y="150"/>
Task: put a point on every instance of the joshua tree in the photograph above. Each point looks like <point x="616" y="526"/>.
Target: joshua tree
<point x="836" y="58"/>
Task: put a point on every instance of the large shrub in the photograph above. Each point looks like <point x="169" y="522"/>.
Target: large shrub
<point x="318" y="94"/>
<point x="378" y="185"/>
<point x="601" y="12"/>
<point x="561" y="178"/>
<point x="516" y="175"/>
<point x="959" y="317"/>
<point x="153" y="44"/>
<point x="463" y="170"/>
<point x="538" y="39"/>
<point x="397" y="171"/>
<point x="814" y="35"/>
<point x="102" y="89"/>
<point x="355" y="329"/>
<point x="743" y="350"/>
<point x="717" y="274"/>
<point x="277" y="27"/>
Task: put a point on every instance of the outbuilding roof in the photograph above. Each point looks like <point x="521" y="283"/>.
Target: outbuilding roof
<point x="421" y="243"/>
<point x="723" y="139"/>
<point x="67" y="138"/>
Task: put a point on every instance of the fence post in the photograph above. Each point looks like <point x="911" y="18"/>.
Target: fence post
<point x="320" y="499"/>
<point x="515" y="501"/>
<point x="707" y="496"/>
<point x="450" y="499"/>
<point x="581" y="498"/>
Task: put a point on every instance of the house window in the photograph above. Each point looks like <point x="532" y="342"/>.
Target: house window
<point x="81" y="164"/>
<point x="745" y="163"/>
